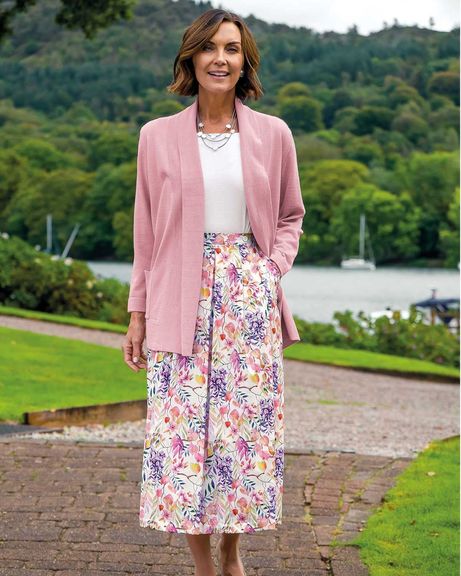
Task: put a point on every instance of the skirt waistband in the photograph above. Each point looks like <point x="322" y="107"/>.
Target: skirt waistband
<point x="228" y="237"/>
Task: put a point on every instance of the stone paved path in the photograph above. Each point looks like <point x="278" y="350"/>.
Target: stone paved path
<point x="72" y="509"/>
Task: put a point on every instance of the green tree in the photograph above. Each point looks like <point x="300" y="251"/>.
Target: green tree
<point x="112" y="147"/>
<point x="112" y="192"/>
<point x="323" y="184"/>
<point x="87" y="15"/>
<point x="449" y="233"/>
<point x="365" y="150"/>
<point x="292" y="90"/>
<point x="392" y="223"/>
<point x="302" y="113"/>
<point x="61" y="193"/>
<point x="43" y="155"/>
<point x="399" y="92"/>
<point x="344" y="119"/>
<point x="122" y="224"/>
<point x="446" y="118"/>
<point x="430" y="180"/>
<point x="412" y="126"/>
<point x="78" y="114"/>
<point x="166" y="108"/>
<point x="328" y="180"/>
<point x="370" y="117"/>
<point x="12" y="172"/>
<point x="317" y="146"/>
<point x="445" y="83"/>
<point x="341" y="99"/>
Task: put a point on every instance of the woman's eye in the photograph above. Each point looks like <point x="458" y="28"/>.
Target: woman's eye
<point x="231" y="49"/>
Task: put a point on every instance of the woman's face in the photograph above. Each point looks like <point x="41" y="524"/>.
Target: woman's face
<point x="222" y="53"/>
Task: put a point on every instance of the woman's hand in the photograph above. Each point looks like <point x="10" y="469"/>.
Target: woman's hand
<point x="133" y="354"/>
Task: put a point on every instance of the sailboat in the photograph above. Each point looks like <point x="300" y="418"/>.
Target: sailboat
<point x="359" y="262"/>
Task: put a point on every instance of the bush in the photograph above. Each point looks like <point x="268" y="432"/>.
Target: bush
<point x="39" y="281"/>
<point x="411" y="338"/>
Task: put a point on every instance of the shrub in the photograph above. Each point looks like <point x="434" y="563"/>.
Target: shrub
<point x="39" y="281"/>
<point x="411" y="338"/>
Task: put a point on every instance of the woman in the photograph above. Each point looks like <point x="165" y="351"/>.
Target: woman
<point x="217" y="220"/>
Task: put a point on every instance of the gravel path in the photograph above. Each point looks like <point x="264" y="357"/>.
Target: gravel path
<point x="326" y="407"/>
<point x="110" y="339"/>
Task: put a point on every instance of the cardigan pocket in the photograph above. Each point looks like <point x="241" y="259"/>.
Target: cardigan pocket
<point x="272" y="272"/>
<point x="272" y="265"/>
<point x="275" y="267"/>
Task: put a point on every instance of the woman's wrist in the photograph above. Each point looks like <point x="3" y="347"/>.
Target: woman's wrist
<point x="137" y="316"/>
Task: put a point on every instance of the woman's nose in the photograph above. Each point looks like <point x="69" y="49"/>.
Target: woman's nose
<point x="220" y="58"/>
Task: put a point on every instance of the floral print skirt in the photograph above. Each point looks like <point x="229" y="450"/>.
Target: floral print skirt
<point x="213" y="453"/>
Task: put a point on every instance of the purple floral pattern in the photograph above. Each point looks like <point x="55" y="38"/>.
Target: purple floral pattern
<point x="213" y="451"/>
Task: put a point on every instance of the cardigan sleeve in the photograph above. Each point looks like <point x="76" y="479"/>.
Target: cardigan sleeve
<point x="143" y="236"/>
<point x="291" y="210"/>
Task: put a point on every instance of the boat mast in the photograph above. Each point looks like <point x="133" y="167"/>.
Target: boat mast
<point x="362" y="235"/>
<point x="370" y="249"/>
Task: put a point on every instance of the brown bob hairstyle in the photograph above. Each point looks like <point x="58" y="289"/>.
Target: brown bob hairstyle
<point x="194" y="39"/>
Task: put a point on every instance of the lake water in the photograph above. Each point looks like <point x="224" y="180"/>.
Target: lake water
<point x="315" y="292"/>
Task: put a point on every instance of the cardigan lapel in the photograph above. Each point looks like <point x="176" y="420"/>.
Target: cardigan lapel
<point x="255" y="178"/>
<point x="192" y="217"/>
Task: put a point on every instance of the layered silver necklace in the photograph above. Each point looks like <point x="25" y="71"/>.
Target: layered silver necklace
<point x="210" y="140"/>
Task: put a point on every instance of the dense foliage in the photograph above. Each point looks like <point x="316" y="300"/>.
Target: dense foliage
<point x="375" y="118"/>
<point x="409" y="338"/>
<point x="35" y="280"/>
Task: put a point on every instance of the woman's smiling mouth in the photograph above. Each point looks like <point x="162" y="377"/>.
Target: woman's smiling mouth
<point x="219" y="74"/>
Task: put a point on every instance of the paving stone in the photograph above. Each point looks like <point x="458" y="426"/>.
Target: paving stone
<point x="38" y="531"/>
<point x="81" y="517"/>
<point x="81" y="534"/>
<point x="10" y="571"/>
<point x="346" y="562"/>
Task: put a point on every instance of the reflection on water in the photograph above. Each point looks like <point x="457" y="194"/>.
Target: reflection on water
<point x="314" y="292"/>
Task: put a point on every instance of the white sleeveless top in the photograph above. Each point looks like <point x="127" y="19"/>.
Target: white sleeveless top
<point x="225" y="205"/>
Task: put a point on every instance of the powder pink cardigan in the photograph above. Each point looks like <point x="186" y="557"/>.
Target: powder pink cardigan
<point x="169" y="211"/>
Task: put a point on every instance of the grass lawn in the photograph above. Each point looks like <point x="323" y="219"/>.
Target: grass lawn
<point x="62" y="319"/>
<point x="415" y="532"/>
<point x="365" y="360"/>
<point x="361" y="359"/>
<point x="41" y="372"/>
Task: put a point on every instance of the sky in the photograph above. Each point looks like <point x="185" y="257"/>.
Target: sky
<point x="339" y="15"/>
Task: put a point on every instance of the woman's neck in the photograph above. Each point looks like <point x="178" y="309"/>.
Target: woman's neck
<point x="216" y="110"/>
